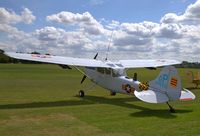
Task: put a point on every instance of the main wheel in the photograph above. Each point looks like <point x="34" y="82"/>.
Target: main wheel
<point x="81" y="93"/>
<point x="112" y="93"/>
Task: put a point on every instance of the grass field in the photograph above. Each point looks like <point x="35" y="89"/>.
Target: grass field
<point x="38" y="100"/>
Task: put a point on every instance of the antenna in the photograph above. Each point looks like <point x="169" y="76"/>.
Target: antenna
<point x="108" y="49"/>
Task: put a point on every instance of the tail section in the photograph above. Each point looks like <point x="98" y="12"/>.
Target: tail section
<point x="168" y="82"/>
<point x="166" y="87"/>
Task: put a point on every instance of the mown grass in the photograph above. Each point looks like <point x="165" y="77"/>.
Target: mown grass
<point x="41" y="100"/>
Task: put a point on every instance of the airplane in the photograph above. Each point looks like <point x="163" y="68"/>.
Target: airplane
<point x="195" y="79"/>
<point x="112" y="76"/>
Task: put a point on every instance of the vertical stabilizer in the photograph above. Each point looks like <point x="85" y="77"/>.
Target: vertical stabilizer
<point x="168" y="82"/>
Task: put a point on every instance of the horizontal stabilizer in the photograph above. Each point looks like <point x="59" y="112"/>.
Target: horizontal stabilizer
<point x="186" y="95"/>
<point x="151" y="96"/>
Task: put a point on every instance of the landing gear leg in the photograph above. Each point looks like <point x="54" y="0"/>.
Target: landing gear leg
<point x="171" y="109"/>
<point x="81" y="93"/>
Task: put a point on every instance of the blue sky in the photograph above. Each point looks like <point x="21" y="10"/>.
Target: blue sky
<point x="119" y="10"/>
<point x="154" y="25"/>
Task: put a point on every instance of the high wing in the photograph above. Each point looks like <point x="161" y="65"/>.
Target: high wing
<point x="91" y="62"/>
<point x="57" y="59"/>
<point x="148" y="63"/>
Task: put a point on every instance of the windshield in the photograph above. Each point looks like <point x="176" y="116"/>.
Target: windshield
<point x="118" y="72"/>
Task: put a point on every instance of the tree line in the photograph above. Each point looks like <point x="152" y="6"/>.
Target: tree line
<point x="186" y="64"/>
<point x="7" y="59"/>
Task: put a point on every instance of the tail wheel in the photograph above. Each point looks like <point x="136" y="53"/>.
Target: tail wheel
<point x="112" y="93"/>
<point x="81" y="93"/>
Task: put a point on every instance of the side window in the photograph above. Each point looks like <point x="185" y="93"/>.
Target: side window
<point x="108" y="71"/>
<point x="91" y="68"/>
<point x="114" y="73"/>
<point x="100" y="70"/>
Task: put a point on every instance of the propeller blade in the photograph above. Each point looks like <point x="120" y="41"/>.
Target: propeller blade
<point x="96" y="56"/>
<point x="83" y="79"/>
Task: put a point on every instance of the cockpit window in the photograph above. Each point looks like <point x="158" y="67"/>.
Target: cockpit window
<point x="112" y="72"/>
<point x="118" y="72"/>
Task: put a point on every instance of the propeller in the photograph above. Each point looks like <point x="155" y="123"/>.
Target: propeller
<point x="96" y="56"/>
<point x="84" y="77"/>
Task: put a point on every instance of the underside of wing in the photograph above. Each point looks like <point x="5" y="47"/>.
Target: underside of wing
<point x="57" y="60"/>
<point x="147" y="63"/>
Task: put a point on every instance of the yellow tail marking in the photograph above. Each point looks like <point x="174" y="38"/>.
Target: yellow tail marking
<point x="173" y="82"/>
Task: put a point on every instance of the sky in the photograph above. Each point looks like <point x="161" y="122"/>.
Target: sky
<point x="132" y="29"/>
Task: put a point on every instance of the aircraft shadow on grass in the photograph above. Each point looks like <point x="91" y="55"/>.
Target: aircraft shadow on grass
<point x="193" y="88"/>
<point x="88" y="100"/>
<point x="45" y="104"/>
<point x="144" y="112"/>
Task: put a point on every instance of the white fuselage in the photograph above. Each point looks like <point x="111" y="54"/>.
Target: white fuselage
<point x="114" y="80"/>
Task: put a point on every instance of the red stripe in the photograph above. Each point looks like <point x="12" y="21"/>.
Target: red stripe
<point x="175" y="80"/>
<point x="173" y="83"/>
<point x="186" y="99"/>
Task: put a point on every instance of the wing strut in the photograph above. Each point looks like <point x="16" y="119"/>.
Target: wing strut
<point x="84" y="77"/>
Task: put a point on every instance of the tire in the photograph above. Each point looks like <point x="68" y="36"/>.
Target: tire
<point x="112" y="93"/>
<point x="81" y="93"/>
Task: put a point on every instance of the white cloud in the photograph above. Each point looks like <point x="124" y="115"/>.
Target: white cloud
<point x="73" y="42"/>
<point x="84" y="21"/>
<point x="170" y="18"/>
<point x="144" y="29"/>
<point x="129" y="40"/>
<point x="49" y="34"/>
<point x="27" y="16"/>
<point x="113" y="25"/>
<point x="7" y="28"/>
<point x="190" y="16"/>
<point x="16" y="39"/>
<point x="176" y="36"/>
<point x="10" y="17"/>
<point x="171" y="31"/>
<point x="193" y="11"/>
<point x="71" y="18"/>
